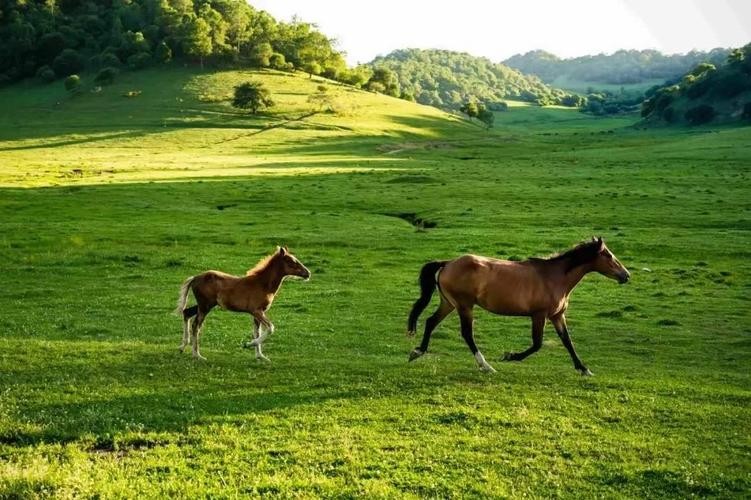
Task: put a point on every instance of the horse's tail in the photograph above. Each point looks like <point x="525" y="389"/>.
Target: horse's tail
<point x="427" y="287"/>
<point x="182" y="300"/>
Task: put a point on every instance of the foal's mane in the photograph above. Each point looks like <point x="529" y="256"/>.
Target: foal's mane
<point x="261" y="266"/>
<point x="582" y="253"/>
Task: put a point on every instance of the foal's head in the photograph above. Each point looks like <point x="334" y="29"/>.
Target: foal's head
<point x="290" y="265"/>
<point x="607" y="264"/>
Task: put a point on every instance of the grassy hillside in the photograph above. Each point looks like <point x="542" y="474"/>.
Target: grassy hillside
<point x="182" y="125"/>
<point x="108" y="203"/>
<point x="705" y="94"/>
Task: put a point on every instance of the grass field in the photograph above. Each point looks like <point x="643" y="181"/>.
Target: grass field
<point x="109" y="202"/>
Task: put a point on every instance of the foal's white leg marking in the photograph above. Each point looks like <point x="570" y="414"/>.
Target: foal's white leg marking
<point x="264" y="333"/>
<point x="259" y="348"/>
<point x="196" y="334"/>
<point x="484" y="366"/>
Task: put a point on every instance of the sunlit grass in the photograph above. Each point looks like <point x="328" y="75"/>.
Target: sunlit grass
<point x="95" y="399"/>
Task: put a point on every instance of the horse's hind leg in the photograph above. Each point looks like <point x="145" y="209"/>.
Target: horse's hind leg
<point x="538" y="329"/>
<point x="467" y="319"/>
<point x="444" y="309"/>
<point x="188" y="313"/>
<point x="196" y="332"/>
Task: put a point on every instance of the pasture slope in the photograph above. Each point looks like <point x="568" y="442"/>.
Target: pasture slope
<point x="108" y="202"/>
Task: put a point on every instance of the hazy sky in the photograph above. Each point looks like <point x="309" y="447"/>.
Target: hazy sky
<point x="498" y="29"/>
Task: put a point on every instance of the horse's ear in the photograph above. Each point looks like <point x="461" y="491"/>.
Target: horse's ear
<point x="600" y="243"/>
<point x="282" y="250"/>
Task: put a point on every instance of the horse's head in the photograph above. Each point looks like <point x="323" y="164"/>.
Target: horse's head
<point x="608" y="264"/>
<point x="291" y="266"/>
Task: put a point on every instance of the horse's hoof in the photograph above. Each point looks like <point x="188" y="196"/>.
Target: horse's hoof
<point x="416" y="353"/>
<point x="507" y="356"/>
<point x="585" y="372"/>
<point x="487" y="368"/>
<point x="410" y="333"/>
<point x="262" y="358"/>
<point x="246" y="344"/>
<point x="198" y="357"/>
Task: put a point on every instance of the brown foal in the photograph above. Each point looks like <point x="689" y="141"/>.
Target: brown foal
<point x="538" y="288"/>
<point x="252" y="293"/>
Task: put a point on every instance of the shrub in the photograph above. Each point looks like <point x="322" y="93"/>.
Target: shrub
<point x="106" y="76"/>
<point x="46" y="74"/>
<point x="277" y="61"/>
<point x="139" y="61"/>
<point x="746" y="111"/>
<point x="110" y="59"/>
<point x="668" y="114"/>
<point x="72" y="83"/>
<point x="376" y="87"/>
<point x="68" y="62"/>
<point x="163" y="53"/>
<point x="700" y="114"/>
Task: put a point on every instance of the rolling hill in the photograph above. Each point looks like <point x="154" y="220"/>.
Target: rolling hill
<point x="448" y="79"/>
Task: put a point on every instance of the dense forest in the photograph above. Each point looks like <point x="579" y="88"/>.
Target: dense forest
<point x="51" y="39"/>
<point x="620" y="68"/>
<point x="707" y="93"/>
<point x="448" y="79"/>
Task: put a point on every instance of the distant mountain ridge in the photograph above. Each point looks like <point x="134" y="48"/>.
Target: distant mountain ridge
<point x="619" y="68"/>
<point x="447" y="79"/>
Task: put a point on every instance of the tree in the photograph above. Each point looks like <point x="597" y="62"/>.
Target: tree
<point x="277" y="61"/>
<point x="253" y="96"/>
<point x="68" y="62"/>
<point x="700" y="114"/>
<point x="470" y="109"/>
<point x="486" y="116"/>
<point x="163" y="53"/>
<point x="197" y="40"/>
<point x="73" y="84"/>
<point x="261" y="54"/>
<point x="105" y="76"/>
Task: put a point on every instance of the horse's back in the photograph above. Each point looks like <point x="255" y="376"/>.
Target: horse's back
<point x="502" y="286"/>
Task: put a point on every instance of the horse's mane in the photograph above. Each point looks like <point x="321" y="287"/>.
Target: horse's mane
<point x="261" y="266"/>
<point x="582" y="253"/>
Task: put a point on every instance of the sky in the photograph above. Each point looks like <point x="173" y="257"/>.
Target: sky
<point x="498" y="29"/>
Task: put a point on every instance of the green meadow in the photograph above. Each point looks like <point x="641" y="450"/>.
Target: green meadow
<point x="108" y="202"/>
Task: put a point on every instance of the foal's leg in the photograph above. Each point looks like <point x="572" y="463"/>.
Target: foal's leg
<point x="559" y="322"/>
<point x="430" y="324"/>
<point x="188" y="313"/>
<point x="256" y="334"/>
<point x="538" y="328"/>
<point x="467" y="319"/>
<point x="268" y="328"/>
<point x="196" y="332"/>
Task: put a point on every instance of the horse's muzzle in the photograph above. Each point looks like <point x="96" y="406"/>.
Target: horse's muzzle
<point x="623" y="278"/>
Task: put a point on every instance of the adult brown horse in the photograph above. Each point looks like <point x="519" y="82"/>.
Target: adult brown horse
<point x="538" y="288"/>
<point x="252" y="293"/>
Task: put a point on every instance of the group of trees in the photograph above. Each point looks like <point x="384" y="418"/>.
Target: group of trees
<point x="449" y="80"/>
<point x="56" y="38"/>
<point x="620" y="68"/>
<point x="704" y="92"/>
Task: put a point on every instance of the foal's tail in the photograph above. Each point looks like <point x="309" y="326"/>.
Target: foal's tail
<point x="182" y="300"/>
<point x="427" y="287"/>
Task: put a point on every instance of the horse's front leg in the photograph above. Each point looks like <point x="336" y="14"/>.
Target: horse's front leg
<point x="266" y="328"/>
<point x="538" y="330"/>
<point x="559" y="322"/>
<point x="256" y="334"/>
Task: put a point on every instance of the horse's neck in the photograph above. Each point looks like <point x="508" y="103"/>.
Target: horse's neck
<point x="271" y="278"/>
<point x="573" y="277"/>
